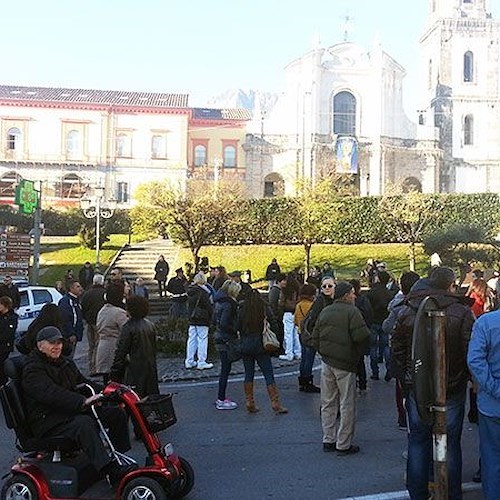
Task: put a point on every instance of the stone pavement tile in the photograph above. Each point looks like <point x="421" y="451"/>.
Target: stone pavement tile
<point x="173" y="369"/>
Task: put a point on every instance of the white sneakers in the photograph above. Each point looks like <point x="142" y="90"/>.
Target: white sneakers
<point x="204" y="366"/>
<point x="201" y="365"/>
<point x="227" y="404"/>
<point x="285" y="357"/>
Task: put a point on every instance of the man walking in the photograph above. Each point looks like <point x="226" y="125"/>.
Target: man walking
<point x="340" y="336"/>
<point x="484" y="364"/>
<point x="459" y="320"/>
<point x="92" y="301"/>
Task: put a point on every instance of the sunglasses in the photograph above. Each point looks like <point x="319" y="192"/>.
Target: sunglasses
<point x="327" y="286"/>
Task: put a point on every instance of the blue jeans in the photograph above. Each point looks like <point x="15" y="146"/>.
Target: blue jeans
<point x="265" y="364"/>
<point x="379" y="348"/>
<point x="307" y="360"/>
<point x="489" y="445"/>
<point x="225" y="370"/>
<point x="420" y="463"/>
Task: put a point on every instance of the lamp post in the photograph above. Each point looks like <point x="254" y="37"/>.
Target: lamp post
<point x="98" y="206"/>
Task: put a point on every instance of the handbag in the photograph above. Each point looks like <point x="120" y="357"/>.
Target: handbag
<point x="269" y="339"/>
<point x="233" y="350"/>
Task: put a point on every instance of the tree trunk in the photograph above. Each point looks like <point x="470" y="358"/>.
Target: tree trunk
<point x="196" y="258"/>
<point x="307" y="259"/>
<point x="412" y="256"/>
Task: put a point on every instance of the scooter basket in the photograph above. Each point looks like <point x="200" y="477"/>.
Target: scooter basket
<point x="158" y="411"/>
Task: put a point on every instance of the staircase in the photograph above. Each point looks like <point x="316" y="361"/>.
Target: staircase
<point x="139" y="260"/>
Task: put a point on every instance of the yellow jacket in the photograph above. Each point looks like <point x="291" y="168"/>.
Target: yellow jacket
<point x="301" y="310"/>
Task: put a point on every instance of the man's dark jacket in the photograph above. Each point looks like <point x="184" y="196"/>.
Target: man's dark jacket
<point x="12" y="292"/>
<point x="379" y="298"/>
<point x="459" y="321"/>
<point x="341" y="335"/>
<point x="92" y="301"/>
<point x="8" y="327"/>
<point x="72" y="319"/>
<point x="49" y="390"/>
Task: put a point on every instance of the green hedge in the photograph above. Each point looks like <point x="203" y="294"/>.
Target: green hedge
<point x="355" y="220"/>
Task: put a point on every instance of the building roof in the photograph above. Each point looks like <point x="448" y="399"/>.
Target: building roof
<point x="100" y="97"/>
<point x="221" y="114"/>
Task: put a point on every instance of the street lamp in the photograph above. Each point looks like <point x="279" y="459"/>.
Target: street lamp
<point x="98" y="206"/>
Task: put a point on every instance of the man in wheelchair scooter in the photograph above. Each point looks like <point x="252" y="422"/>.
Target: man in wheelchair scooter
<point x="55" y="408"/>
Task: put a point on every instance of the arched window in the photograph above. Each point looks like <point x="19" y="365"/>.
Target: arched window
<point x="8" y="184"/>
<point x="468" y="130"/>
<point x="344" y="113"/>
<point x="468" y="67"/>
<point x="200" y="155"/>
<point x="123" y="146"/>
<point x="71" y="186"/>
<point x="412" y="184"/>
<point x="73" y="150"/>
<point x="229" y="156"/>
<point x="274" y="185"/>
<point x="430" y="74"/>
<point x="14" y="138"/>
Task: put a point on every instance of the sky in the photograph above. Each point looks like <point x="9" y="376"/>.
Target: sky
<point x="198" y="47"/>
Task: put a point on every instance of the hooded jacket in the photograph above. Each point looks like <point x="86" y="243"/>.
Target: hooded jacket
<point x="459" y="321"/>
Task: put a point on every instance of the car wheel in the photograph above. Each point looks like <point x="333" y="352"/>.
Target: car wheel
<point x="144" y="488"/>
<point x="19" y="487"/>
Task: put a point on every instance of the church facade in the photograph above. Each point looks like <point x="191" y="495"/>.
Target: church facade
<point x="342" y="112"/>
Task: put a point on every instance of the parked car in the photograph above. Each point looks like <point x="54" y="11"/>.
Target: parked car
<point x="33" y="299"/>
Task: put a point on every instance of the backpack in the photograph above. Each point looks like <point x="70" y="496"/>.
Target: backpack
<point x="305" y="328"/>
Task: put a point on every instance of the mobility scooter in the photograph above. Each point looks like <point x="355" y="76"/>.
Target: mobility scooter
<point x="54" y="469"/>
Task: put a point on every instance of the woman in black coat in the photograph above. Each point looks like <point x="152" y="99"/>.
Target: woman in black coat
<point x="161" y="275"/>
<point x="135" y="356"/>
<point x="8" y="326"/>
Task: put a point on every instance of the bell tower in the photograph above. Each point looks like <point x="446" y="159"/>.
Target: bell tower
<point x="460" y="59"/>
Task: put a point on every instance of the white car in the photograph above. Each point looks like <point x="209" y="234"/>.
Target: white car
<point x="33" y="298"/>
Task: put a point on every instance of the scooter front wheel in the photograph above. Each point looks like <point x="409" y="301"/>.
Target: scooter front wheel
<point x="19" y="487"/>
<point x="144" y="488"/>
<point x="186" y="480"/>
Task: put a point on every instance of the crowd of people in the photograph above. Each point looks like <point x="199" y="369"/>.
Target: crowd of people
<point x="324" y="316"/>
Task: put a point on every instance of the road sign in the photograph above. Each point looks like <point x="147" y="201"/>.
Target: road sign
<point x="15" y="252"/>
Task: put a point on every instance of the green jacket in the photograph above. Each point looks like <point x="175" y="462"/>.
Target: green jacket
<point x="341" y="335"/>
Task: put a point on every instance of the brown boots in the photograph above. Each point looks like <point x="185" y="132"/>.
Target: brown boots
<point x="273" y="396"/>
<point x="250" y="401"/>
<point x="275" y="399"/>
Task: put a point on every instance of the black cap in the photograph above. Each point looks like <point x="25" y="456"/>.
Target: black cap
<point x="235" y="274"/>
<point x="49" y="333"/>
<point x="341" y="288"/>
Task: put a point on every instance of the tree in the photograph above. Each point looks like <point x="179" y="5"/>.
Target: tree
<point x="316" y="208"/>
<point x="411" y="215"/>
<point x="459" y="244"/>
<point x="194" y="217"/>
